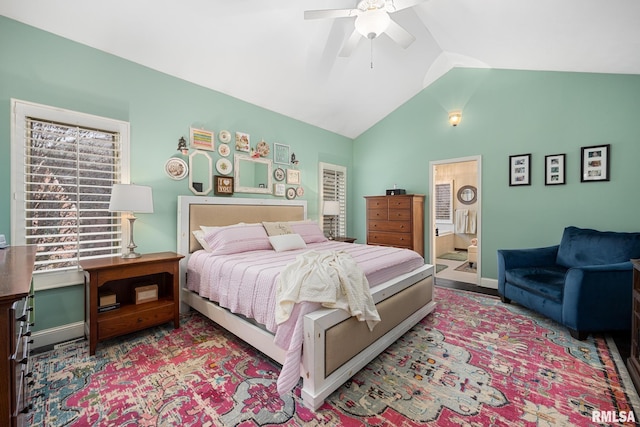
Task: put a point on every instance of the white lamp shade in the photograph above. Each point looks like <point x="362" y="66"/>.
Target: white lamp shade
<point x="331" y="207"/>
<point x="372" y="22"/>
<point x="131" y="198"/>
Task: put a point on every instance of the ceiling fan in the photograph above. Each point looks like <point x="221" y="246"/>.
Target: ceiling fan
<point x="372" y="19"/>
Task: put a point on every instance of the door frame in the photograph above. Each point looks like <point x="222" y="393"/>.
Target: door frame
<point x="432" y="208"/>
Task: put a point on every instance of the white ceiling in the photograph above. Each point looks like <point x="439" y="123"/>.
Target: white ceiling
<point x="265" y="53"/>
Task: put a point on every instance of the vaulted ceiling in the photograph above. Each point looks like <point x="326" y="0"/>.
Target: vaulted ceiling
<point x="266" y="53"/>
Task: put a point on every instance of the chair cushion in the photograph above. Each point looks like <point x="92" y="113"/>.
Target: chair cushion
<point x="547" y="282"/>
<point x="581" y="247"/>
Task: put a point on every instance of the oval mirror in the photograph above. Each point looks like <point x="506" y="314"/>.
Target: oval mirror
<point x="252" y="175"/>
<point x="467" y="194"/>
<point x="200" y="173"/>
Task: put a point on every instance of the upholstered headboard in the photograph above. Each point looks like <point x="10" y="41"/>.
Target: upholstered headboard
<point x="196" y="211"/>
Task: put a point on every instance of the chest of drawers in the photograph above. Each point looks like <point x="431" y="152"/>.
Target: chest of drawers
<point x="16" y="320"/>
<point x="396" y="221"/>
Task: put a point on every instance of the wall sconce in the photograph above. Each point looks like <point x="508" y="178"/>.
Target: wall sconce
<point x="182" y="146"/>
<point x="455" y="117"/>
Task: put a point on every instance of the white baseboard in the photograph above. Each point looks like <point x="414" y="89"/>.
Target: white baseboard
<point x="489" y="283"/>
<point x="58" y="334"/>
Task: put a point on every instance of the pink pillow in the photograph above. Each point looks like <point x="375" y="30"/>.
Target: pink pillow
<point x="309" y="230"/>
<point x="237" y="238"/>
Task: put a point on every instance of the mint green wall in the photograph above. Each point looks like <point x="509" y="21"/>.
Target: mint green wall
<point x="507" y="113"/>
<point x="39" y="67"/>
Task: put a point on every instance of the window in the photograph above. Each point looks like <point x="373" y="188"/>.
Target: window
<point x="64" y="164"/>
<point x="444" y="203"/>
<point x="334" y="187"/>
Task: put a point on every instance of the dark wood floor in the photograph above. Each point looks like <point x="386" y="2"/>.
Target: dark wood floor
<point x="621" y="338"/>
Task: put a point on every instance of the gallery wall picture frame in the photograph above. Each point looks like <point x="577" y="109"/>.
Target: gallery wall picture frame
<point x="223" y="185"/>
<point x="203" y="139"/>
<point x="594" y="163"/>
<point x="243" y="142"/>
<point x="279" y="189"/>
<point x="281" y="153"/>
<point x="554" y="170"/>
<point x="520" y="170"/>
<point x="293" y="176"/>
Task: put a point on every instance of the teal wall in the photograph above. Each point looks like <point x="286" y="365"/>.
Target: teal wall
<point x="507" y="113"/>
<point x="39" y="67"/>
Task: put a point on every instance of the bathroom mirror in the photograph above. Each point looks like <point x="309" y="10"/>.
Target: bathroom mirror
<point x="252" y="175"/>
<point x="200" y="173"/>
<point x="467" y="194"/>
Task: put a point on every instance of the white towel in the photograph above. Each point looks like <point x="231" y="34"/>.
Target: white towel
<point x="471" y="222"/>
<point x="462" y="216"/>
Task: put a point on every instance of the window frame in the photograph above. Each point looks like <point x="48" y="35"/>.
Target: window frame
<point x="20" y="111"/>
<point x="342" y="218"/>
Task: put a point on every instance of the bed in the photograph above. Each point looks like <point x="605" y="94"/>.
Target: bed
<point x="335" y="345"/>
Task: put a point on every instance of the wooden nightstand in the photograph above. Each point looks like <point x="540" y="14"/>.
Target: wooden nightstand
<point x="120" y="277"/>
<point x="345" y="239"/>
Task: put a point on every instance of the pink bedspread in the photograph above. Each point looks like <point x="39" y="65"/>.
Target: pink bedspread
<point x="245" y="283"/>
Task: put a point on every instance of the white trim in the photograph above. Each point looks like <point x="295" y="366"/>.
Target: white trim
<point x="19" y="111"/>
<point x="432" y="184"/>
<point x="58" y="334"/>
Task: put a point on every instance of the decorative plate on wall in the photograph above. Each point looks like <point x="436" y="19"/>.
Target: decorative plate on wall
<point x="224" y="166"/>
<point x="291" y="193"/>
<point x="225" y="136"/>
<point x="224" y="150"/>
<point x="263" y="148"/>
<point x="278" y="174"/>
<point x="176" y="168"/>
<point x="300" y="191"/>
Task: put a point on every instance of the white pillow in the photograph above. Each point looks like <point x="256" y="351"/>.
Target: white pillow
<point x="199" y="235"/>
<point x="287" y="242"/>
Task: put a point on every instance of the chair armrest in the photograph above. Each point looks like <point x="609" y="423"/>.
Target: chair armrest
<point x="597" y="289"/>
<point x="516" y="258"/>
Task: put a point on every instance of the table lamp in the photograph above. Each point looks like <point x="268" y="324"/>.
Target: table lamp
<point x="131" y="198"/>
<point x="331" y="208"/>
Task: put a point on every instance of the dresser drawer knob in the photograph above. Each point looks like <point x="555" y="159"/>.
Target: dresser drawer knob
<point x="140" y="320"/>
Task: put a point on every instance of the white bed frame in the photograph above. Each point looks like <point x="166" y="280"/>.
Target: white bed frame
<point x="316" y="387"/>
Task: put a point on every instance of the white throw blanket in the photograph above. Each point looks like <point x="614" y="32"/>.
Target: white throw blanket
<point x="331" y="278"/>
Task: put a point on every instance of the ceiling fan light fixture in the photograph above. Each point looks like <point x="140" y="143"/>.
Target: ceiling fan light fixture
<point x="372" y="23"/>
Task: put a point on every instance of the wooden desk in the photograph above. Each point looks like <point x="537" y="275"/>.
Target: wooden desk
<point x="121" y="276"/>
<point x="16" y="311"/>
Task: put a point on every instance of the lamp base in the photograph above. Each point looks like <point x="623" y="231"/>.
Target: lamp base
<point x="130" y="255"/>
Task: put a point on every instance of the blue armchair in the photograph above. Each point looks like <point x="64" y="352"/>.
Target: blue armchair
<point x="584" y="283"/>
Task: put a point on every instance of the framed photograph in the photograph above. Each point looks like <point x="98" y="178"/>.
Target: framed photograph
<point x="223" y="185"/>
<point x="554" y="172"/>
<point x="202" y="139"/>
<point x="280" y="153"/>
<point x="520" y="169"/>
<point x="279" y="189"/>
<point x="243" y="142"/>
<point x="594" y="165"/>
<point x="293" y="176"/>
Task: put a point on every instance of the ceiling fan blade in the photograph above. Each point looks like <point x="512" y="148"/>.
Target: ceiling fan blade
<point x="350" y="44"/>
<point x="330" y="13"/>
<point x="396" y="5"/>
<point x="399" y="34"/>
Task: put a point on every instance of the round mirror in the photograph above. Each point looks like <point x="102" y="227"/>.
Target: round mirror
<point x="467" y="194"/>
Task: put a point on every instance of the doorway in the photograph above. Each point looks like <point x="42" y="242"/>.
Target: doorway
<point x="455" y="220"/>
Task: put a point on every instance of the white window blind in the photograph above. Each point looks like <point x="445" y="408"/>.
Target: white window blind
<point x="444" y="203"/>
<point x="63" y="180"/>
<point x="334" y="187"/>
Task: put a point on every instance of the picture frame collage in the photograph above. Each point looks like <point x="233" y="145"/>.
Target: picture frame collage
<point x="287" y="176"/>
<point x="595" y="166"/>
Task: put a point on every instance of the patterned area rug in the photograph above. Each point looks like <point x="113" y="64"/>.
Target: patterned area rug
<point x="474" y="362"/>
